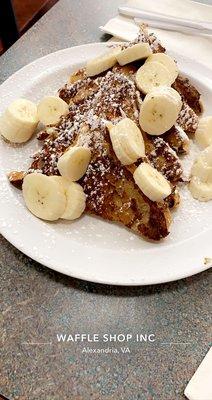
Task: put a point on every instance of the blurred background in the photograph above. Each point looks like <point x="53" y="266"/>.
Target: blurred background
<point x="16" y="16"/>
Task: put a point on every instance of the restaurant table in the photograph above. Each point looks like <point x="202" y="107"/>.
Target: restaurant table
<point x="39" y="304"/>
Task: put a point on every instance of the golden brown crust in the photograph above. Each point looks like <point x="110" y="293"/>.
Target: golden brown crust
<point x="177" y="139"/>
<point x="16" y="178"/>
<point x="189" y="93"/>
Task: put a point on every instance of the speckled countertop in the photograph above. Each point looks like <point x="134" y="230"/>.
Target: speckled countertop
<point x="37" y="303"/>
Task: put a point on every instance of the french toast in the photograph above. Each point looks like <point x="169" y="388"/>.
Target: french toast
<point x="110" y="189"/>
<point x="109" y="186"/>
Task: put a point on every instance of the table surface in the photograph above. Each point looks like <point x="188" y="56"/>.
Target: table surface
<point x="38" y="303"/>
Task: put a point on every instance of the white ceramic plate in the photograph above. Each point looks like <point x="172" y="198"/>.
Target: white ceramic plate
<point x="90" y="248"/>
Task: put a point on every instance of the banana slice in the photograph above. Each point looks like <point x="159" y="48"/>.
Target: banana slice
<point x="202" y="168"/>
<point x="19" y="121"/>
<point x="128" y="138"/>
<point x="63" y="182"/>
<point x="119" y="151"/>
<point x="200" y="190"/>
<point x="74" y="162"/>
<point x="136" y="52"/>
<point x="101" y="64"/>
<point x="44" y="197"/>
<point x="152" y="75"/>
<point x="50" y="109"/>
<point x="76" y="201"/>
<point x="75" y="198"/>
<point x="203" y="134"/>
<point x="151" y="182"/>
<point x="159" y="110"/>
<point x="167" y="62"/>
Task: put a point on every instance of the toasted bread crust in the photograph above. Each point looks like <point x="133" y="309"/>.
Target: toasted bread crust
<point x="189" y="93"/>
<point x="177" y="139"/>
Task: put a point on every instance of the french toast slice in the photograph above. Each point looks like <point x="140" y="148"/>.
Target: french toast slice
<point x="113" y="195"/>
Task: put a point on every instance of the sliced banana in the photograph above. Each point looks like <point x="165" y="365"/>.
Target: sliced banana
<point x="19" y="121"/>
<point x="50" y="109"/>
<point x="44" y="197"/>
<point x="200" y="190"/>
<point x="76" y="202"/>
<point x="203" y="134"/>
<point x="167" y="62"/>
<point x="151" y="182"/>
<point x="202" y="168"/>
<point x="63" y="182"/>
<point x="151" y="75"/>
<point x="129" y="139"/>
<point x="101" y="64"/>
<point x="118" y="148"/>
<point x="75" y="198"/>
<point x="136" y="52"/>
<point x="159" y="110"/>
<point x="74" y="162"/>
